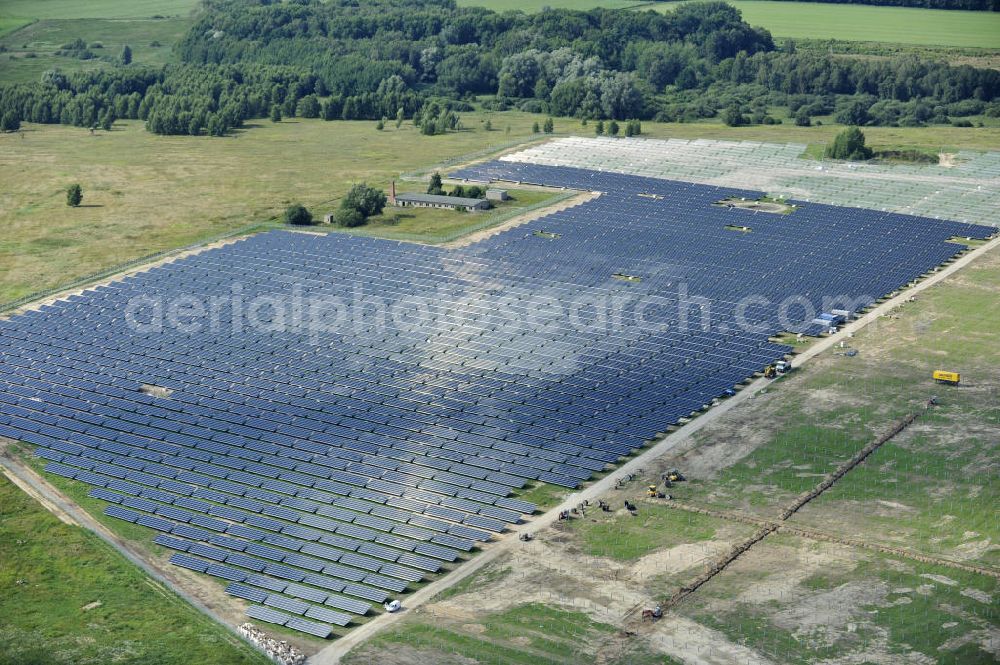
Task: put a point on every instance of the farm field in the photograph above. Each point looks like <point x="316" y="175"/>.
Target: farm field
<point x="789" y="599"/>
<point x="64" y="9"/>
<point x="867" y="23"/>
<point x="66" y="604"/>
<point x="8" y="24"/>
<point x="145" y="193"/>
<point x="32" y="49"/>
<point x="808" y="20"/>
<point x="537" y="5"/>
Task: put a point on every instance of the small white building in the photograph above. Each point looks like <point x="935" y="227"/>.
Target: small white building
<point x="494" y="194"/>
<point x="417" y="200"/>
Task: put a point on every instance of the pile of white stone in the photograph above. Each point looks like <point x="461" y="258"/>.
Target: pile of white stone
<point x="279" y="651"/>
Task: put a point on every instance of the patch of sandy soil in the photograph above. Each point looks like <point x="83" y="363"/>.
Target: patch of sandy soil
<point x="696" y="644"/>
<point x="947" y="159"/>
<point x="403" y="654"/>
<point x="940" y="579"/>
<point x="821" y="618"/>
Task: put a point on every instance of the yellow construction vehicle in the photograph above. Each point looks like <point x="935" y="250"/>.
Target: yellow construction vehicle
<point x="951" y="378"/>
<point x="651" y="491"/>
<point x="770" y="372"/>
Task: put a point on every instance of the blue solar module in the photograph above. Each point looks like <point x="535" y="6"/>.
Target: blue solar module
<point x="267" y="614"/>
<point x="288" y="604"/>
<point x="340" y="457"/>
<point x="328" y="615"/>
<point x="246" y="592"/>
<point x="319" y="630"/>
<point x="191" y="562"/>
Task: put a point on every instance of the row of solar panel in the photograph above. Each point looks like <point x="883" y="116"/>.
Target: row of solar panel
<point x="397" y="515"/>
<point x="540" y="410"/>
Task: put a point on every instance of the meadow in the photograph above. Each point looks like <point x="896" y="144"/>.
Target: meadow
<point x="807" y="20"/>
<point x="867" y="23"/>
<point x="8" y="24"/>
<point x="538" y="5"/>
<point x="32" y="49"/>
<point x="68" y="9"/>
<point x="85" y="604"/>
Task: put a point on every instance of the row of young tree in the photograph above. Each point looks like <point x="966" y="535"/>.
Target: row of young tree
<point x="424" y="59"/>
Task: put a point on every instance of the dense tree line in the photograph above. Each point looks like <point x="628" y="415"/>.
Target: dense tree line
<point x="425" y="59"/>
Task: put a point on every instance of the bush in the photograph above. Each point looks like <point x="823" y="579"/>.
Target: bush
<point x="74" y="195"/>
<point x="532" y="106"/>
<point x="297" y="215"/>
<point x="849" y="144"/>
<point x="348" y="218"/>
<point x="733" y="116"/>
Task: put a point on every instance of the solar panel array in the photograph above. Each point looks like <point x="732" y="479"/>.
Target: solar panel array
<point x="321" y="469"/>
<point x="964" y="191"/>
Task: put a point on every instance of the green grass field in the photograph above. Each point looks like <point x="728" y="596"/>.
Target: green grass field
<point x="43" y="38"/>
<point x="865" y="23"/>
<point x="800" y="603"/>
<point x="63" y="9"/>
<point x="8" y="24"/>
<point x="807" y="20"/>
<point x="528" y="634"/>
<point x="45" y="592"/>
<point x="537" y="5"/>
<point x="628" y="538"/>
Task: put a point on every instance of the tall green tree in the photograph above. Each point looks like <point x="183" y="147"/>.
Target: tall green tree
<point x="308" y="107"/>
<point x="435" y="186"/>
<point x="125" y="57"/>
<point x="549" y="126"/>
<point x="366" y="200"/>
<point x="275" y="113"/>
